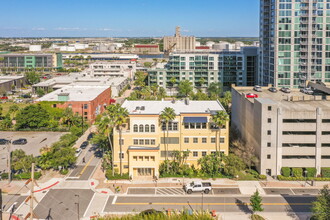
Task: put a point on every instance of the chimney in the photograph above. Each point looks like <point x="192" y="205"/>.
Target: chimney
<point x="187" y="101"/>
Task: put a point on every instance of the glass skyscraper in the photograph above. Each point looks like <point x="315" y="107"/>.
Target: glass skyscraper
<point x="294" y="42"/>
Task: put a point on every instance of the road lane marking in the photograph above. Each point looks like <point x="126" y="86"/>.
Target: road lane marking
<point x="90" y="203"/>
<point x="114" y="200"/>
<point x="163" y="203"/>
<point x="105" y="204"/>
<point x="85" y="167"/>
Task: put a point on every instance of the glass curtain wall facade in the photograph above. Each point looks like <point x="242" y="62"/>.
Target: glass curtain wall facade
<point x="294" y="42"/>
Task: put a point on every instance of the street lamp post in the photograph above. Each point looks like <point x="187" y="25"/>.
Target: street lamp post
<point x="77" y="206"/>
<point x="305" y="177"/>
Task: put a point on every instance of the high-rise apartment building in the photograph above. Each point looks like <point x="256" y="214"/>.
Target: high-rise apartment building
<point x="294" y="42"/>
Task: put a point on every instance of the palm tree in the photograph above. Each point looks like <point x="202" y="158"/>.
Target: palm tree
<point x="201" y="82"/>
<point x="121" y="115"/>
<point x="220" y="119"/>
<point x="166" y="116"/>
<point x="154" y="89"/>
<point x="172" y="81"/>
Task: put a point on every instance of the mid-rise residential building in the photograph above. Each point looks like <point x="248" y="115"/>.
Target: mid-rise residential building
<point x="18" y="62"/>
<point x="294" y="42"/>
<point x="85" y="100"/>
<point x="178" y="42"/>
<point x="225" y="67"/>
<point x="143" y="136"/>
<point x="286" y="129"/>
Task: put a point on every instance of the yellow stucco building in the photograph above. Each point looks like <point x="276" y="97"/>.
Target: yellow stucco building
<point x="143" y="135"/>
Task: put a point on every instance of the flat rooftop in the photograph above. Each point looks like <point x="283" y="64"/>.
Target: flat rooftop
<point x="75" y="93"/>
<point x="294" y="101"/>
<point x="179" y="106"/>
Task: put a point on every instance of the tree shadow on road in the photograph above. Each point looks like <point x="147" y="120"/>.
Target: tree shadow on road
<point x="243" y="206"/>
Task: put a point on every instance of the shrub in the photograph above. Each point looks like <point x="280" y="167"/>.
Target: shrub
<point x="262" y="177"/>
<point x="297" y="172"/>
<point x="286" y="171"/>
<point x="325" y="171"/>
<point x="64" y="171"/>
<point x="4" y="175"/>
<point x="25" y="176"/>
<point x="311" y="171"/>
<point x="117" y="176"/>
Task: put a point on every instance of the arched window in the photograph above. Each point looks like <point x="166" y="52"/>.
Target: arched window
<point x="152" y="128"/>
<point x="135" y="128"/>
<point x="146" y="128"/>
<point x="140" y="128"/>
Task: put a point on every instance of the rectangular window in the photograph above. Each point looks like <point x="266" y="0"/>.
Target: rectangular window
<point x="297" y="157"/>
<point x="85" y="106"/>
<point x="299" y="132"/>
<point x="121" y="141"/>
<point x="212" y="139"/>
<point x="269" y="132"/>
<point x="203" y="153"/>
<point x="152" y="158"/>
<point x="135" y="158"/>
<point x="222" y="140"/>
<point x="146" y="141"/>
<point x="186" y="140"/>
<point x="141" y="142"/>
<point x="195" y="140"/>
<point x="269" y="120"/>
<point x="135" y="141"/>
<point x="269" y="108"/>
<point x="299" y="120"/>
<point x="152" y="141"/>
<point x="269" y="156"/>
<point x="269" y="144"/>
<point x="122" y="155"/>
<point x="195" y="153"/>
<point x="204" y="140"/>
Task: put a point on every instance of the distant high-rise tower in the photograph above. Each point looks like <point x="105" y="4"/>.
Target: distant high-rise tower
<point x="294" y="42"/>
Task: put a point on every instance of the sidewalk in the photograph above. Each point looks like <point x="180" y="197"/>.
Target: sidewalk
<point x="266" y="215"/>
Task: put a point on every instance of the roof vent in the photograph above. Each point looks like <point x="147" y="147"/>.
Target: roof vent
<point x="143" y="108"/>
<point x="137" y="108"/>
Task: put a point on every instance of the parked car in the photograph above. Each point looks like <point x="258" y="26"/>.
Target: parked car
<point x="20" y="141"/>
<point x="4" y="141"/>
<point x="90" y="136"/>
<point x="272" y="89"/>
<point x="308" y="91"/>
<point x="78" y="152"/>
<point x="197" y="186"/>
<point x="4" y="97"/>
<point x="257" y="88"/>
<point x="251" y="95"/>
<point x="84" y="145"/>
<point x="285" y="90"/>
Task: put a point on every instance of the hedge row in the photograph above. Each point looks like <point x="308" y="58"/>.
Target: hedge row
<point x="22" y="176"/>
<point x="280" y="177"/>
<point x="298" y="172"/>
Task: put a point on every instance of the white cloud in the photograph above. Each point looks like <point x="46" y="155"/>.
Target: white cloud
<point x="70" y="29"/>
<point x="39" y="29"/>
<point x="106" y="29"/>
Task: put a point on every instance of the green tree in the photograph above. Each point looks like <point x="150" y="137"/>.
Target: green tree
<point x="256" y="202"/>
<point x="32" y="117"/>
<point x="161" y="93"/>
<point x="201" y="82"/>
<point x="6" y="122"/>
<point x="214" y="90"/>
<point x="1" y="110"/>
<point x="211" y="164"/>
<point x="147" y="64"/>
<point x="122" y="115"/>
<point x="32" y="77"/>
<point x="140" y="78"/>
<point x="321" y="207"/>
<point x="58" y="156"/>
<point x="200" y="95"/>
<point x="226" y="100"/>
<point x="233" y="165"/>
<point x="220" y="119"/>
<point x="154" y="89"/>
<point x="166" y="117"/>
<point x="13" y="109"/>
<point x="21" y="162"/>
<point x="40" y="92"/>
<point x="172" y="83"/>
<point x="145" y="92"/>
<point x="185" y="88"/>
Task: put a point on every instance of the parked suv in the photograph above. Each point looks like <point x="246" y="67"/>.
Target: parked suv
<point x="285" y="90"/>
<point x="84" y="145"/>
<point x="4" y="141"/>
<point x="257" y="88"/>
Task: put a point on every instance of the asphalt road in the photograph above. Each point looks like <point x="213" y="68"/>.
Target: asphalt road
<point x="62" y="204"/>
<point x="218" y="203"/>
<point x="84" y="170"/>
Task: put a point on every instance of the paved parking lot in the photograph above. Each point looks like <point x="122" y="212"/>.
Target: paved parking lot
<point x="306" y="191"/>
<point x="35" y="141"/>
<point x="149" y="191"/>
<point x="278" y="191"/>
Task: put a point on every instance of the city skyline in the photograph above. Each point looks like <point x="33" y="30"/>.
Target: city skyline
<point x="133" y="19"/>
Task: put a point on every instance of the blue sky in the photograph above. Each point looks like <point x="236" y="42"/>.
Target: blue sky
<point x="128" y="18"/>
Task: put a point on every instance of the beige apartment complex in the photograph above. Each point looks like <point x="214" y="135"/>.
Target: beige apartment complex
<point x="144" y="135"/>
<point x="286" y="129"/>
<point x="179" y="43"/>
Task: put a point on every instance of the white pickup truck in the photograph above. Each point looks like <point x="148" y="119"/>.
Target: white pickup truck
<point x="198" y="187"/>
